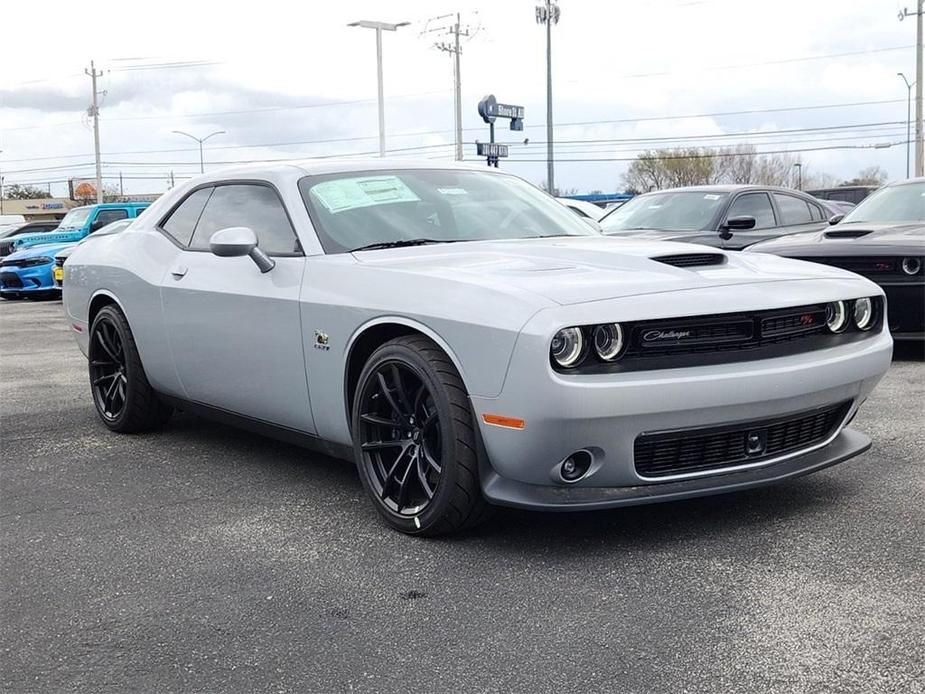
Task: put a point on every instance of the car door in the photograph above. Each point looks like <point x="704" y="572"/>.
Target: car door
<point x="797" y="215"/>
<point x="755" y="204"/>
<point x="234" y="332"/>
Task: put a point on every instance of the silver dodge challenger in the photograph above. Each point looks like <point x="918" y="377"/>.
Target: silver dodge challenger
<point x="468" y="341"/>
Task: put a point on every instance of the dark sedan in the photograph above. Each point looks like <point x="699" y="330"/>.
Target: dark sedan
<point x="883" y="238"/>
<point x="727" y="216"/>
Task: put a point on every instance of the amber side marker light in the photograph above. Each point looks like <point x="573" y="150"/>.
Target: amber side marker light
<point x="506" y="422"/>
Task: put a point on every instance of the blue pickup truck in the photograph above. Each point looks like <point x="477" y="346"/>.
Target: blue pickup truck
<point x="79" y="223"/>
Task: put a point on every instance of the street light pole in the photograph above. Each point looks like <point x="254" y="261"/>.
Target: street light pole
<point x="548" y="14"/>
<point x="379" y="27"/>
<point x="919" y="143"/>
<point x="202" y="168"/>
<point x="908" y="119"/>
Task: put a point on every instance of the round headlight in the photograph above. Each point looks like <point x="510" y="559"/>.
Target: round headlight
<point x="568" y="347"/>
<point x="608" y="341"/>
<point x="864" y="314"/>
<point x="911" y="266"/>
<point x="836" y="316"/>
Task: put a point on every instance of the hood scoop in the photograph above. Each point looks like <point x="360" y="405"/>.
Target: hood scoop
<point x="691" y="259"/>
<point x="847" y="233"/>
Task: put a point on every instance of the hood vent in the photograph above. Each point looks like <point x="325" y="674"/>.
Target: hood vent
<point x="847" y="233"/>
<point x="692" y="259"/>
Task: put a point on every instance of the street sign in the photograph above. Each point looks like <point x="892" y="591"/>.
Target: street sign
<point x="493" y="150"/>
<point x="490" y="110"/>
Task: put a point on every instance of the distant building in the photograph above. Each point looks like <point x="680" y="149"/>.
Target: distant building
<point x="39" y="209"/>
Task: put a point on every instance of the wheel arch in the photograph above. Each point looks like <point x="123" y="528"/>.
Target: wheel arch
<point x="101" y="298"/>
<point x="372" y="335"/>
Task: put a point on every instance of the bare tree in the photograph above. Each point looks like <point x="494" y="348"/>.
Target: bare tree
<point x="871" y="176"/>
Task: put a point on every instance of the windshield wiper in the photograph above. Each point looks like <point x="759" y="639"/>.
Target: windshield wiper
<point x="401" y="243"/>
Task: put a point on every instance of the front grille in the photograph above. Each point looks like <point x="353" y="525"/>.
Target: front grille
<point x="690" y="451"/>
<point x="692" y="259"/>
<point x="720" y="332"/>
<point x="877" y="268"/>
<point x="10" y="280"/>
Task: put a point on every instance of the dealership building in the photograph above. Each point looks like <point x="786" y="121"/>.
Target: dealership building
<point x="40" y="209"/>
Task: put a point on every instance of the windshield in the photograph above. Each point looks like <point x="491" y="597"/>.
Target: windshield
<point x="903" y="203"/>
<point x="76" y="218"/>
<point x="357" y="209"/>
<point x="668" y="211"/>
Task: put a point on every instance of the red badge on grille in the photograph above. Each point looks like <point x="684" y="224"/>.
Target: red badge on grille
<point x="807" y="319"/>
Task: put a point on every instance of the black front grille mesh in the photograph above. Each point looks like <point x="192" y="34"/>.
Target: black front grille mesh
<point x="10" y="280"/>
<point x="699" y="450"/>
<point x="874" y="267"/>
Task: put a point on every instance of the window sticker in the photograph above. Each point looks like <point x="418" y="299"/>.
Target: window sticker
<point x="452" y="191"/>
<point x="353" y="193"/>
<point x="711" y="196"/>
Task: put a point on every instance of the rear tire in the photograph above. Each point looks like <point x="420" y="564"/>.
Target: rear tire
<point x="414" y="439"/>
<point x="124" y="399"/>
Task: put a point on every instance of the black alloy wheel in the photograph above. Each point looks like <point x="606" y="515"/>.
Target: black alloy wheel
<point x="400" y="438"/>
<point x="414" y="439"/>
<point x="124" y="399"/>
<point x="108" y="377"/>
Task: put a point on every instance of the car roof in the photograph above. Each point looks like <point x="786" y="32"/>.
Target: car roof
<point x="728" y="188"/>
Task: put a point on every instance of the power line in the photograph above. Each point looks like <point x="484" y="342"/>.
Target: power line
<point x="784" y="109"/>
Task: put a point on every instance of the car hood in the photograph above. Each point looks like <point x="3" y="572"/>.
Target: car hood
<point x="49" y="249"/>
<point x="850" y="239"/>
<point x="593" y="268"/>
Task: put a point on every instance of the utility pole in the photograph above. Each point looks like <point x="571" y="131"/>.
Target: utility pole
<point x="121" y="189"/>
<point x="379" y="27"/>
<point x="1" y="188"/>
<point x="909" y="86"/>
<point x="456" y="29"/>
<point x="94" y="111"/>
<point x="548" y="14"/>
<point x="799" y="167"/>
<point x="919" y="148"/>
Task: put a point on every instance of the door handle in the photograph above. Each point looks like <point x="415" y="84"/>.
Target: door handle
<point x="178" y="271"/>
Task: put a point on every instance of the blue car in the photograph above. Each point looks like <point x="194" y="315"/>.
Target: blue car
<point x="28" y="273"/>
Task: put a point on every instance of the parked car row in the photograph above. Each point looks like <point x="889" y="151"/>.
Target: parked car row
<point x="27" y="254"/>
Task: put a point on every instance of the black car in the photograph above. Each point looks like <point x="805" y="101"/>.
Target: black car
<point x="727" y="216"/>
<point x="883" y="238"/>
<point x="851" y="194"/>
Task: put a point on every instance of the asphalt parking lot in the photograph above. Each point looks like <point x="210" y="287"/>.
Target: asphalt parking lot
<point x="202" y="558"/>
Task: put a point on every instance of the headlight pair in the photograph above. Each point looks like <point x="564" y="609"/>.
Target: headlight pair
<point x="861" y="310"/>
<point x="571" y="345"/>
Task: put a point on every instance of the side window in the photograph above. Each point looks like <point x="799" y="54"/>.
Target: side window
<point x="139" y="210"/>
<point x="104" y="217"/>
<point x="757" y="205"/>
<point x="182" y="221"/>
<point x="792" y="210"/>
<point x="247" y="205"/>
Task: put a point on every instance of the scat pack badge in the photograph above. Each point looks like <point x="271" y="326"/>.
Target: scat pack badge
<point x="321" y="341"/>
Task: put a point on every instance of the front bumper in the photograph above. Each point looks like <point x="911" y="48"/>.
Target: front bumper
<point x="16" y="280"/>
<point x="505" y="492"/>
<point x="604" y="414"/>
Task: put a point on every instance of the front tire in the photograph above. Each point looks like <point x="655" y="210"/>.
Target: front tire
<point x="414" y="439"/>
<point x="124" y="399"/>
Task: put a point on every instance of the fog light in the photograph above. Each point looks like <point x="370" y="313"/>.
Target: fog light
<point x="575" y="466"/>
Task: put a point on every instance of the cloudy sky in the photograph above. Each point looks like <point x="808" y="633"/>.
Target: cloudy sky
<point x="291" y="80"/>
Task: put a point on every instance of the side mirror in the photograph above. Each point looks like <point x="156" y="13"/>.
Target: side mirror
<point x="96" y="226"/>
<point x="235" y="242"/>
<point x="740" y="223"/>
<point x="836" y="218"/>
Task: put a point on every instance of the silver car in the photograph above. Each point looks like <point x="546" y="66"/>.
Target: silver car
<point x="468" y="341"/>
